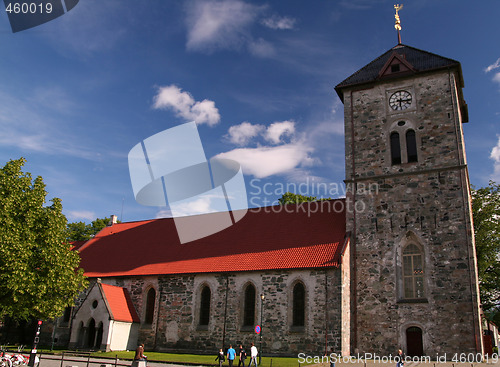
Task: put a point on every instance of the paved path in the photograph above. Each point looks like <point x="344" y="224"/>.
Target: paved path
<point x="384" y="363"/>
<point x="74" y="361"/>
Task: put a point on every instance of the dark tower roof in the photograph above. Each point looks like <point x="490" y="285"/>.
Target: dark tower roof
<point x="399" y="62"/>
<point x="412" y="59"/>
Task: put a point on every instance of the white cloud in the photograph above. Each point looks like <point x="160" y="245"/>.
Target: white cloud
<point x="496" y="78"/>
<point x="184" y="105"/>
<point x="495" y="155"/>
<point x="241" y="134"/>
<point x="266" y="161"/>
<point x="32" y="123"/>
<point x="278" y="130"/>
<point x="493" y="66"/>
<point x="287" y="152"/>
<point x="326" y="129"/>
<point x="275" y="133"/>
<point x="84" y="30"/>
<point x="261" y="48"/>
<point x="81" y="214"/>
<point x="276" y="22"/>
<point x="200" y="204"/>
<point x="164" y="213"/>
<point x="218" y="24"/>
<point x="195" y="206"/>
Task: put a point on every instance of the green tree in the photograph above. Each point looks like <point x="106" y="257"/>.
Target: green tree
<point x="77" y="231"/>
<point x="39" y="275"/>
<point x="486" y="216"/>
<point x="291" y="198"/>
<point x="80" y="231"/>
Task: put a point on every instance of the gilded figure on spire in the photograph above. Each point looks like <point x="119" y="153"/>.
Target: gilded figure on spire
<point x="397" y="25"/>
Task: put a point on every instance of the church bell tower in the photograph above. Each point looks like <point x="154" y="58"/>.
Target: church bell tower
<point x="413" y="267"/>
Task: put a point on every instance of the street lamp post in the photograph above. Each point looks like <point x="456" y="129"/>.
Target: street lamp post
<point x="261" y="326"/>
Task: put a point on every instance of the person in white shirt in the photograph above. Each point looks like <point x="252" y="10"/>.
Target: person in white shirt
<point x="253" y="354"/>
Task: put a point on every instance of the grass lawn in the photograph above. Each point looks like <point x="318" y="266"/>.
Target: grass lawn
<point x="201" y="359"/>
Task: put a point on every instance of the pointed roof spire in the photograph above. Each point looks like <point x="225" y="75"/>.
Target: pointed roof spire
<point x="397" y="25"/>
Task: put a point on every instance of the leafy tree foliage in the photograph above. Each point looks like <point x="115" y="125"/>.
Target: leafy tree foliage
<point x="38" y="271"/>
<point x="80" y="231"/>
<point x="291" y="198"/>
<point x="486" y="215"/>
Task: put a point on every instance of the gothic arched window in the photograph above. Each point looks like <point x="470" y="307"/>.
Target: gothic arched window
<point x="67" y="314"/>
<point x="150" y="306"/>
<point x="299" y="303"/>
<point x="413" y="272"/>
<point x="411" y="146"/>
<point x="205" y="306"/>
<point x="249" y="306"/>
<point x="395" y="148"/>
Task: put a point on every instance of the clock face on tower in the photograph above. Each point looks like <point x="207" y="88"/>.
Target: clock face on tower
<point x="400" y="100"/>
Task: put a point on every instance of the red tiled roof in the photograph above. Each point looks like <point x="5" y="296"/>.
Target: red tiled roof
<point x="75" y="245"/>
<point x="307" y="235"/>
<point x="120" y="303"/>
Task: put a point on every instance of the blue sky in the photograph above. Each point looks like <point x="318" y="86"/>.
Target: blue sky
<point x="79" y="92"/>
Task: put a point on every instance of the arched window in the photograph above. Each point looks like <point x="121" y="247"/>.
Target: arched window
<point x="91" y="333"/>
<point x="81" y="335"/>
<point x="413" y="272"/>
<point x="249" y="306"/>
<point x="395" y="148"/>
<point x="299" y="302"/>
<point x="67" y="314"/>
<point x="98" y="339"/>
<point x="411" y="146"/>
<point x="205" y="306"/>
<point x="150" y="306"/>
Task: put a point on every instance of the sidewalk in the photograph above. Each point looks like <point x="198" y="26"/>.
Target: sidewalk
<point x="385" y="363"/>
<point x="74" y="361"/>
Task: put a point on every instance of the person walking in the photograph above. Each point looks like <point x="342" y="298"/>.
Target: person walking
<point x="139" y="353"/>
<point x="220" y="357"/>
<point x="400" y="358"/>
<point x="231" y="354"/>
<point x="243" y="355"/>
<point x="332" y="358"/>
<point x="253" y="355"/>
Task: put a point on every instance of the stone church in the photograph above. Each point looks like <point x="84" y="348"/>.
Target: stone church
<point x="390" y="267"/>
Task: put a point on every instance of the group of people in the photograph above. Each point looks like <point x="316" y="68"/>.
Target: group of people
<point x="242" y="354"/>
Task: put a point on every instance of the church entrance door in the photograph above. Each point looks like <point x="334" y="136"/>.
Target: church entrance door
<point x="414" y="344"/>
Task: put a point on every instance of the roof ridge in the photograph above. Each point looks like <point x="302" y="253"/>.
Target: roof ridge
<point x="421" y="60"/>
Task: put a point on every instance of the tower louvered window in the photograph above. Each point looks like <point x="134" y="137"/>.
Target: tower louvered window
<point x="395" y="149"/>
<point x="411" y="146"/>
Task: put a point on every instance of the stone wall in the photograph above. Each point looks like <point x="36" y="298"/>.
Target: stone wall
<point x="426" y="202"/>
<point x="57" y="332"/>
<point x="176" y="326"/>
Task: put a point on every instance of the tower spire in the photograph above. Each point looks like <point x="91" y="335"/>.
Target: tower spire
<point x="397" y="25"/>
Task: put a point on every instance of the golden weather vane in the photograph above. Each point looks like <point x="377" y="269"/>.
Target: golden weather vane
<point x="397" y="25"/>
